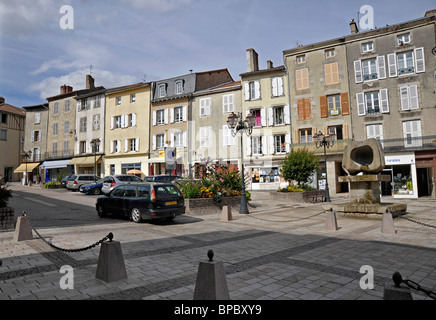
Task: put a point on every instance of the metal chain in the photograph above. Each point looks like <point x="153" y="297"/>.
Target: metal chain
<point x="415" y="286"/>
<point x="294" y="220"/>
<point x="108" y="237"/>
<point x="418" y="222"/>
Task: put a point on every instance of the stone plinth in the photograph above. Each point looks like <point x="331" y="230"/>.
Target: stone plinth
<point x="365" y="188"/>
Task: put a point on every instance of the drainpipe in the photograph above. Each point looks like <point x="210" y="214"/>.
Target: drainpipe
<point x="289" y="100"/>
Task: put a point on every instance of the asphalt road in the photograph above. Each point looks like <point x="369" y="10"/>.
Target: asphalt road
<point x="62" y="208"/>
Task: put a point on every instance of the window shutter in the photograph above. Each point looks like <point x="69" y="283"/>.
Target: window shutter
<point x="358" y="71"/>
<point x="171" y="139"/>
<point x="263" y="117"/>
<point x="137" y="145"/>
<point x="225" y="104"/>
<point x="413" y="97"/>
<point x="264" y="144"/>
<point x="208" y="106"/>
<point x="419" y="60"/>
<point x="323" y="104"/>
<point x="153" y="143"/>
<point x="288" y="142"/>
<point x="185" y="138"/>
<point x="118" y="145"/>
<point x="360" y="104"/>
<point x="392" y="65"/>
<point x="134" y="119"/>
<point x="247" y="91"/>
<point x="257" y="90"/>
<point x="248" y="147"/>
<point x="154" y="118"/>
<point x="280" y="86"/>
<point x="287" y="114"/>
<point x="166" y="116"/>
<point x="370" y="131"/>
<point x="307" y="109"/>
<point x="345" y="131"/>
<point x="112" y="123"/>
<point x="384" y="101"/>
<point x="185" y="113"/>
<point x="300" y="104"/>
<point x="404" y="96"/>
<point x="298" y="79"/>
<point x="33" y="136"/>
<point x="126" y="145"/>
<point x="274" y="87"/>
<point x="172" y="115"/>
<point x="381" y="67"/>
<point x="345" y="103"/>
<point x="111" y="147"/>
<point x="39" y="135"/>
<point x="270" y="117"/>
<point x="271" y="144"/>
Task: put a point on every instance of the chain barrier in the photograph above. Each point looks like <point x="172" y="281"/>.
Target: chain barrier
<point x="398" y="279"/>
<point x="293" y="220"/>
<point x="418" y="222"/>
<point x="109" y="237"/>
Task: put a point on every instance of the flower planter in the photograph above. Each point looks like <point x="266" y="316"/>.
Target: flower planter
<point x="288" y="196"/>
<point x="205" y="206"/>
<point x="6" y="218"/>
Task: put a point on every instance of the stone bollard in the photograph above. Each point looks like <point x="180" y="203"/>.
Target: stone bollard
<point x="387" y="223"/>
<point x="331" y="221"/>
<point x="211" y="281"/>
<point x="110" y="266"/>
<point x="23" y="230"/>
<point x="396" y="292"/>
<point x="226" y="213"/>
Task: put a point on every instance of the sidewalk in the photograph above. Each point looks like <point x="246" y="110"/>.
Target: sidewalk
<point x="280" y="251"/>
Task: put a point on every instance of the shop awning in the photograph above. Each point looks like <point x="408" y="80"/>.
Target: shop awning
<point x="84" y="160"/>
<point x="55" y="164"/>
<point x="30" y="167"/>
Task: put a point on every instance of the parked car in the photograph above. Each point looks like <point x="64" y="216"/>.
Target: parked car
<point x="143" y="201"/>
<point x="110" y="182"/>
<point x="94" y="188"/>
<point x="64" y="181"/>
<point x="75" y="181"/>
<point x="162" y="178"/>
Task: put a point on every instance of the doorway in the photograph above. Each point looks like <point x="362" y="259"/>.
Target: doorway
<point x="424" y="187"/>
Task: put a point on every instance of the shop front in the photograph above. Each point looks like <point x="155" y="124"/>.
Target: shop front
<point x="426" y="173"/>
<point x="51" y="170"/>
<point x="402" y="168"/>
<point x="87" y="165"/>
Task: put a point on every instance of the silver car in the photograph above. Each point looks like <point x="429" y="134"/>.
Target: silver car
<point x="110" y="182"/>
<point x="77" y="180"/>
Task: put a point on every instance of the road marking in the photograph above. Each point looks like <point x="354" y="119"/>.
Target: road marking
<point x="40" y="201"/>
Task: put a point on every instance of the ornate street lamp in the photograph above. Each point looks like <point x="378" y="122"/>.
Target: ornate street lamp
<point x="326" y="142"/>
<point x="26" y="155"/>
<point x="236" y="124"/>
<point x="95" y="144"/>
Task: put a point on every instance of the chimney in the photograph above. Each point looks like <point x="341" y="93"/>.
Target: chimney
<point x="66" y="89"/>
<point x="353" y="27"/>
<point x="89" y="82"/>
<point x="269" y="64"/>
<point x="2" y="100"/>
<point x="252" y="60"/>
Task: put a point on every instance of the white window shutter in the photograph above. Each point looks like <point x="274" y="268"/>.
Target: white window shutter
<point x="172" y="115"/>
<point x="153" y="143"/>
<point x="112" y="123"/>
<point x="118" y="145"/>
<point x="166" y="116"/>
<point x="271" y="145"/>
<point x="248" y="147"/>
<point x="392" y="65"/>
<point x="247" y="91"/>
<point x="154" y="118"/>
<point x="185" y="113"/>
<point x="358" y="71"/>
<point x="226" y="134"/>
<point x="134" y="119"/>
<point x="270" y="117"/>
<point x="419" y="60"/>
<point x="413" y="97"/>
<point x="274" y="88"/>
<point x="370" y="131"/>
<point x="287" y="114"/>
<point x="264" y="145"/>
<point x="384" y="100"/>
<point x="263" y="117"/>
<point x="280" y="86"/>
<point x="111" y="147"/>
<point x="126" y="145"/>
<point x="288" y="142"/>
<point x="404" y="96"/>
<point x="185" y="139"/>
<point x="360" y="104"/>
<point x="171" y="139"/>
<point x="137" y="144"/>
<point x="208" y="106"/>
<point x="381" y="67"/>
<point x="257" y="90"/>
<point x="33" y="136"/>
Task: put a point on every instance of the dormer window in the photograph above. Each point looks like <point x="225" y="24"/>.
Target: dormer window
<point x="179" y="86"/>
<point x="162" y="90"/>
<point x="402" y="39"/>
<point x="367" y="47"/>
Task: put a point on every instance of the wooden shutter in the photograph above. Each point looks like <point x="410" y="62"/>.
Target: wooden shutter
<point x="166" y="116"/>
<point x="345" y="103"/>
<point x="270" y="117"/>
<point x="331" y="73"/>
<point x="154" y="118"/>
<point x="280" y="86"/>
<point x="256" y="90"/>
<point x="271" y="144"/>
<point x="287" y="111"/>
<point x="413" y="97"/>
<point x="384" y="101"/>
<point x="274" y="87"/>
<point x="263" y="117"/>
<point x="300" y="104"/>
<point x="381" y="67"/>
<point x="360" y="98"/>
<point x="137" y="144"/>
<point x="171" y="115"/>
<point x="345" y="132"/>
<point x="404" y="97"/>
<point x="358" y="74"/>
<point x="247" y="91"/>
<point x="392" y="65"/>
<point x="288" y="142"/>
<point x="419" y="60"/>
<point x="323" y="104"/>
<point x="185" y="113"/>
<point x="248" y="147"/>
<point x="307" y="109"/>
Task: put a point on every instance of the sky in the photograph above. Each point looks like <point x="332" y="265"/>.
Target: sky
<point x="47" y="43"/>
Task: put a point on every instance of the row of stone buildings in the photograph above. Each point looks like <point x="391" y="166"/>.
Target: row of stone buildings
<point x="378" y="83"/>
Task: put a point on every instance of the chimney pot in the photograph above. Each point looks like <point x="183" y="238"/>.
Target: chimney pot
<point x="89" y="82"/>
<point x="252" y="60"/>
<point x="353" y="27"/>
<point x="269" y="64"/>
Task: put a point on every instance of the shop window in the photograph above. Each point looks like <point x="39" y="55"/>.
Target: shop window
<point x="265" y="175"/>
<point x="403" y="180"/>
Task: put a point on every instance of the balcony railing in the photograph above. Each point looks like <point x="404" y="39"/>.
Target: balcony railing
<point x="337" y="148"/>
<point x="61" y="154"/>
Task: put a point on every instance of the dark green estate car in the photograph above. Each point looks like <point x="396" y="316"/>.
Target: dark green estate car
<point x="143" y="201"/>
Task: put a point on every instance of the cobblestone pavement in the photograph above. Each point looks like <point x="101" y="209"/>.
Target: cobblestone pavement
<point x="278" y="251"/>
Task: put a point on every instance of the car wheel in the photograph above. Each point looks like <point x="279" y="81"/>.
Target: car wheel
<point x="100" y="211"/>
<point x="96" y="191"/>
<point x="135" y="215"/>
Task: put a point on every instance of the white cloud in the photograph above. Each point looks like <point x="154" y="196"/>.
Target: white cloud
<point x="158" y="5"/>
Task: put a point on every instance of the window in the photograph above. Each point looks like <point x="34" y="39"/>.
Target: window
<point x="256" y="144"/>
<point x="83" y="124"/>
<point x="131" y="145"/>
<point x="97" y="101"/>
<point x="301" y="59"/>
<point x="96" y="122"/>
<point x="228" y="139"/>
<point x="55" y="129"/>
<point x="118" y="101"/>
<point x="55" y="148"/>
<point x="82" y="147"/>
<point x="252" y="90"/>
<point x="36" y="135"/>
<point x="412" y="133"/>
<point x="37" y="118"/>
<point x="407" y="62"/>
<point x="205" y="107"/>
<point x="133" y="98"/>
<point x="178" y="114"/>
<point x="67" y="106"/>
<point x="143" y="191"/>
<point x="258" y="114"/>
<point x="409" y="97"/>
<point x="205" y="137"/>
<point x="305" y="135"/>
<point x="4" y="118"/>
<point x="375" y="131"/>
<point x="334" y="105"/>
<point x="373" y="102"/>
<point x="160" y="114"/>
<point x="279" y="115"/>
<point x="162" y="90"/>
<point x="331" y="72"/>
<point x="228" y="103"/>
<point x="56" y="108"/>
<point x="369" y="68"/>
<point x="66" y="152"/>
<point x="403" y="39"/>
<point x="304" y="109"/>
<point x="117" y="120"/>
<point x="329" y="53"/>
<point x="302" y="79"/>
<point x="280" y="144"/>
<point x="179" y="86"/>
<point x="367" y="47"/>
<point x="277" y="86"/>
<point x="3" y="134"/>
<point x="160" y="139"/>
<point x="115" y="146"/>
<point x="337" y="131"/>
<point x="179" y="139"/>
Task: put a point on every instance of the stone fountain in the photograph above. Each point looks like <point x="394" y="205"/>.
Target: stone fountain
<point x="363" y="161"/>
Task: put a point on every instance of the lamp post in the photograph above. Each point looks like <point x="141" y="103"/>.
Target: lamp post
<point x="236" y="124"/>
<point x="95" y="144"/>
<point x="326" y="142"/>
<point x="26" y="155"/>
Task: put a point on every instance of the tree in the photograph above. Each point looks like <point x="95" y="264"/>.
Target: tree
<point x="299" y="166"/>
